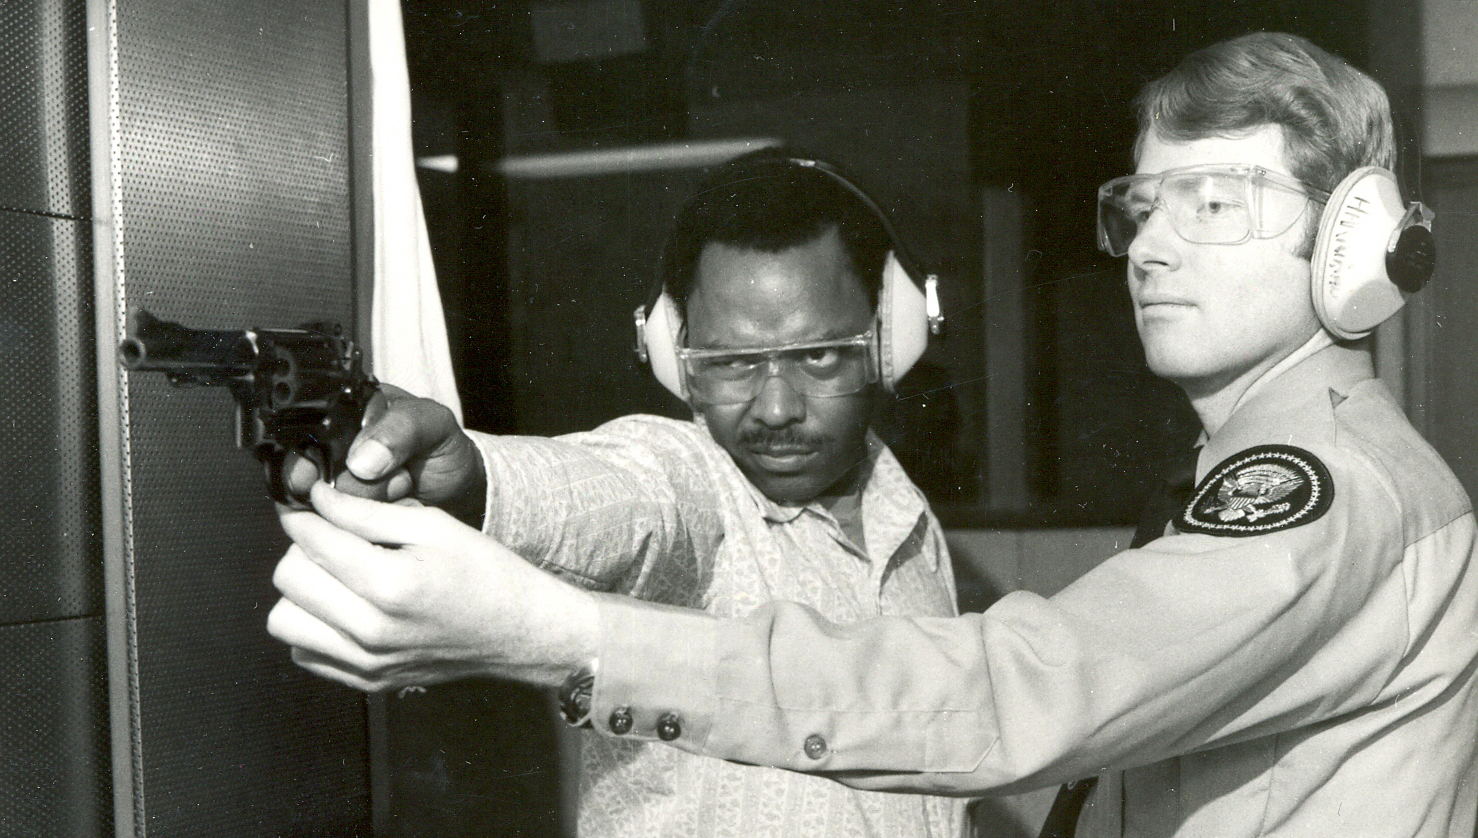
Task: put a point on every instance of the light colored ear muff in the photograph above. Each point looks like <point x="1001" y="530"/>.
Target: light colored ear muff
<point x="656" y="342"/>
<point x="906" y="316"/>
<point x="1371" y="253"/>
<point x="903" y="321"/>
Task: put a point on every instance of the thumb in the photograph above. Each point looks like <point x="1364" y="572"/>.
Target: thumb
<point x="398" y="429"/>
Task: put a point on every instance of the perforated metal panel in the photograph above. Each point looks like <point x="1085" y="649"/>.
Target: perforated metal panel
<point x="229" y="137"/>
<point x="47" y="534"/>
<point x="43" y="107"/>
<point x="53" y="719"/>
<point x="54" y="775"/>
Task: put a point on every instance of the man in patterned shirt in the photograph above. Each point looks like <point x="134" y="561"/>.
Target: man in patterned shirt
<point x="776" y="490"/>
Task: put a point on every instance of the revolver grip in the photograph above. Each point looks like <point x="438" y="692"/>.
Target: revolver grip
<point x="274" y="463"/>
<point x="321" y="435"/>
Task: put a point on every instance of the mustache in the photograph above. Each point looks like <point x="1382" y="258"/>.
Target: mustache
<point x="781" y="438"/>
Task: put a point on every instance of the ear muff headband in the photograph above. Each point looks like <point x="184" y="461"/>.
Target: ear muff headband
<point x="1371" y="253"/>
<point x="908" y="308"/>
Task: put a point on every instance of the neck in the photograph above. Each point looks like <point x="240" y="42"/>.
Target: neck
<point x="848" y="487"/>
<point x="1214" y="405"/>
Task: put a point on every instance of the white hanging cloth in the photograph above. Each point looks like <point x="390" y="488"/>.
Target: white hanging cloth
<point x="408" y="336"/>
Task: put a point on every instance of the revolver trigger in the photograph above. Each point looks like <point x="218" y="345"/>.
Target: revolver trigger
<point x="276" y="466"/>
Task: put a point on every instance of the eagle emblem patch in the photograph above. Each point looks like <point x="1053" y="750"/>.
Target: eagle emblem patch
<point x="1261" y="490"/>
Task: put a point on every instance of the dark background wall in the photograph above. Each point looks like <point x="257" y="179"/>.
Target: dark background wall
<point x="937" y="108"/>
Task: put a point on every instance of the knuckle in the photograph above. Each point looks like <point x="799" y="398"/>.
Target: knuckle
<point x="393" y="591"/>
<point x="375" y="634"/>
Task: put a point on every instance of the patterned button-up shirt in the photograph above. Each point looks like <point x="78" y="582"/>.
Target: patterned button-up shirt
<point x="655" y="508"/>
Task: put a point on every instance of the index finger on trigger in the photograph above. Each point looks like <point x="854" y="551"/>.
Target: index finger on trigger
<point x="300" y="473"/>
<point x="390" y="488"/>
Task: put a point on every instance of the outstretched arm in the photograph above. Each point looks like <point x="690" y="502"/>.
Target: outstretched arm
<point x="382" y="596"/>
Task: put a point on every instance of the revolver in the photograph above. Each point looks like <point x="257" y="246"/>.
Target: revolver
<point x="298" y="391"/>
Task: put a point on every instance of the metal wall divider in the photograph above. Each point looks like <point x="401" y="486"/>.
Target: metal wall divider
<point x="224" y="189"/>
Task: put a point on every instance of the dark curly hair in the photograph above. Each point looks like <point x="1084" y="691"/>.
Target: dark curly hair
<point x="770" y="200"/>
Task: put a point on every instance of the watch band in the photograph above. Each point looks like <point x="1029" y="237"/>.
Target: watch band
<point x="575" y="693"/>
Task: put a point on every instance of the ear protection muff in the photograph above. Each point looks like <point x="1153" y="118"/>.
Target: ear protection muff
<point x="657" y="334"/>
<point x="908" y="310"/>
<point x="1372" y="252"/>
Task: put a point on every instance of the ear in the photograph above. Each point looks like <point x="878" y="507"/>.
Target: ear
<point x="1371" y="253"/>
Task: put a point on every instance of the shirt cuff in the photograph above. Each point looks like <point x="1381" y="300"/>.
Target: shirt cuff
<point x="484" y="442"/>
<point x="657" y="672"/>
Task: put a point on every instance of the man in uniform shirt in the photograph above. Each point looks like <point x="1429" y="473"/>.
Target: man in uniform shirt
<point x="776" y="488"/>
<point x="1295" y="656"/>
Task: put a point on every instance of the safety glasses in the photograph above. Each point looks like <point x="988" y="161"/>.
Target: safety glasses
<point x="819" y="369"/>
<point x="1204" y="204"/>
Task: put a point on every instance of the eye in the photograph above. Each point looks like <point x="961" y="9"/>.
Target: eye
<point x="1211" y="198"/>
<point x="821" y="355"/>
<point x="1137" y="205"/>
<point x="1221" y="214"/>
<point x="1138" y="211"/>
<point x="829" y="363"/>
<point x="728" y="366"/>
<point x="1213" y="207"/>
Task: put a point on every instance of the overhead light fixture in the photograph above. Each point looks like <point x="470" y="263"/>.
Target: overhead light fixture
<point x="679" y="154"/>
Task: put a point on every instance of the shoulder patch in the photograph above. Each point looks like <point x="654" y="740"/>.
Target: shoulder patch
<point x="1260" y="490"/>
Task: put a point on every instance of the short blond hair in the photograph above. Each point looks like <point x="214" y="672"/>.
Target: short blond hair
<point x="1335" y="118"/>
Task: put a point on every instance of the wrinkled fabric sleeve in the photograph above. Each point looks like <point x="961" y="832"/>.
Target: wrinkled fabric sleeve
<point x="626" y="507"/>
<point x="1190" y="642"/>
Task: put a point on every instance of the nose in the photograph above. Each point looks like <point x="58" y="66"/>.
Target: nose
<point x="1155" y="241"/>
<point x="777" y="404"/>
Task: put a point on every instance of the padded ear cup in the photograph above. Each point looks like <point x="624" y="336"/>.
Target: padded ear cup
<point x="1371" y="253"/>
<point x="903" y="322"/>
<point x="903" y="326"/>
<point x="657" y="328"/>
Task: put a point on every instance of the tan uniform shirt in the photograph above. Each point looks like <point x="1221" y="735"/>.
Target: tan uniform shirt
<point x="1314" y="679"/>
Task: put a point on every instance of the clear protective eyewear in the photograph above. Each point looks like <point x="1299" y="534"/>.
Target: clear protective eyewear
<point x="1215" y="204"/>
<point x="819" y="369"/>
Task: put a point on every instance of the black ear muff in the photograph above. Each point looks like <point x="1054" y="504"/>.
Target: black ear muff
<point x="1413" y="258"/>
<point x="1370" y="254"/>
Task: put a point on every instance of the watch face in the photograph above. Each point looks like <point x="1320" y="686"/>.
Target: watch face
<point x="574" y="696"/>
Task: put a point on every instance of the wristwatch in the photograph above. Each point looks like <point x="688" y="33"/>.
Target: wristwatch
<point x="575" y="692"/>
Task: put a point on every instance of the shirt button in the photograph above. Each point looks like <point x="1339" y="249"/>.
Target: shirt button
<point x="669" y="727"/>
<point x="815" y="746"/>
<point x="621" y="720"/>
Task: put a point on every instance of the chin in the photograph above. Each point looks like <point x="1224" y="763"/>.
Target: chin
<point x="793" y="489"/>
<point x="788" y="491"/>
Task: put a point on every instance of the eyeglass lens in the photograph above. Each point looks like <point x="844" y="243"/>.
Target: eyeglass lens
<point x="818" y="371"/>
<point x="1202" y="208"/>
